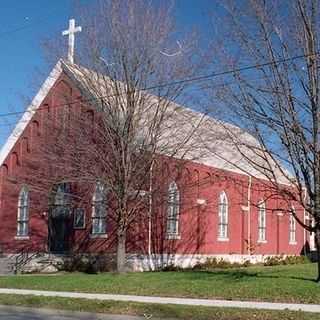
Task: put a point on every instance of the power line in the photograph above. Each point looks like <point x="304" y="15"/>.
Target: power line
<point x="10" y="124"/>
<point x="30" y="25"/>
<point x="174" y="83"/>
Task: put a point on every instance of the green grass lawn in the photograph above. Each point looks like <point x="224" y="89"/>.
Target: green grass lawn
<point x="293" y="283"/>
<point x="156" y="310"/>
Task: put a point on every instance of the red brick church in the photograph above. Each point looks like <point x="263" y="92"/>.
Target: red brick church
<point x="225" y="214"/>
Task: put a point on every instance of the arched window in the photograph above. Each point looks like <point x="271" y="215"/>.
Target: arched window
<point x="59" y="197"/>
<point x="223" y="217"/>
<point x="61" y="200"/>
<point x="173" y="210"/>
<point x="292" y="228"/>
<point x="262" y="221"/>
<point x="99" y="210"/>
<point x="23" y="213"/>
<point x="62" y="194"/>
<point x="312" y="238"/>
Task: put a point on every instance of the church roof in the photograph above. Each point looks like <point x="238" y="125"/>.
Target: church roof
<point x="209" y="143"/>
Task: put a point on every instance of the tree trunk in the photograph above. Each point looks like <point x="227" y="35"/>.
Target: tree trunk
<point x="318" y="252"/>
<point x="121" y="252"/>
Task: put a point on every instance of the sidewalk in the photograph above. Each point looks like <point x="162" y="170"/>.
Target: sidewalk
<point x="24" y="313"/>
<point x="315" y="308"/>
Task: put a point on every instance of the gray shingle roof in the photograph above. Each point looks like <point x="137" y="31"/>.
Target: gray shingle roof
<point x="209" y="144"/>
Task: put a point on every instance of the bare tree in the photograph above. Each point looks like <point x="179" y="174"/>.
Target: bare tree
<point x="127" y="122"/>
<point x="272" y="90"/>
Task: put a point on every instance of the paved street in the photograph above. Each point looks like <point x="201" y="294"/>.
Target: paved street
<point x="18" y="313"/>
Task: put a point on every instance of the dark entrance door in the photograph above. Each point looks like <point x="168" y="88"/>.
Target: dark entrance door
<point x="59" y="220"/>
<point x="58" y="232"/>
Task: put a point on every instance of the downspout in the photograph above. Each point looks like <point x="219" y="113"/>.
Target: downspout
<point x="249" y="214"/>
<point x="247" y="209"/>
<point x="150" y="217"/>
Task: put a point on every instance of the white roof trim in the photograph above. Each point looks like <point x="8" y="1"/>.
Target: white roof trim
<point x="30" y="111"/>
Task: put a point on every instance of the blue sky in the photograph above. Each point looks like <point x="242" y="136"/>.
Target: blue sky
<point x="24" y="24"/>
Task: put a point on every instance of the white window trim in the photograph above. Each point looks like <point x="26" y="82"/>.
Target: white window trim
<point x="169" y="234"/>
<point x="262" y="209"/>
<point x="21" y="237"/>
<point x="294" y="230"/>
<point x="223" y="239"/>
<point x="98" y="235"/>
<point x="223" y="200"/>
<point x="312" y="235"/>
<point x="173" y="236"/>
<point x="93" y="215"/>
<point x="23" y="204"/>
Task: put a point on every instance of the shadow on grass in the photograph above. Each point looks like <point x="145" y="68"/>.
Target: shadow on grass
<point x="287" y="277"/>
<point x="241" y="274"/>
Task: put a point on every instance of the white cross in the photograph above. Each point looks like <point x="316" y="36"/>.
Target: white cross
<point x="71" y="32"/>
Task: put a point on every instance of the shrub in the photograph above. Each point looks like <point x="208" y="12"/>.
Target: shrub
<point x="216" y="263"/>
<point x="273" y="261"/>
<point x="171" y="267"/>
<point x="247" y="263"/>
<point x="220" y="263"/>
<point x="284" y="260"/>
<point x="90" y="264"/>
<point x="78" y="263"/>
<point x="297" y="259"/>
